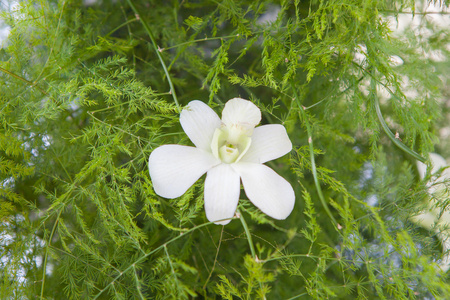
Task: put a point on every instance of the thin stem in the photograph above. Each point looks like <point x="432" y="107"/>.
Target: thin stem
<point x="373" y="82"/>
<point x="250" y="241"/>
<point x="333" y="92"/>
<point x="385" y="127"/>
<point x="44" y="268"/>
<point x="138" y="285"/>
<point x="157" y="50"/>
<point x="247" y="233"/>
<point x="298" y="296"/>
<point x="205" y="39"/>
<point x="314" y="171"/>
<point x="416" y="13"/>
<point x="391" y="136"/>
<point x="32" y="84"/>
<point x="313" y="163"/>
<point x="116" y="127"/>
<point x="215" y="259"/>
<point x="122" y="25"/>
<point x="142" y="258"/>
<point x="305" y="256"/>
<point x="170" y="262"/>
<point x="54" y="42"/>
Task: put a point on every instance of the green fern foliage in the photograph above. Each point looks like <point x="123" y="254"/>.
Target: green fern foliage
<point x="88" y="89"/>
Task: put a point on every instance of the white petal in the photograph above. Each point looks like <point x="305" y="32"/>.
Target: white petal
<point x="268" y="142"/>
<point x="444" y="219"/>
<point x="425" y="219"/>
<point x="445" y="239"/>
<point x="422" y="169"/>
<point x="222" y="189"/>
<point x="437" y="162"/>
<point x="242" y="112"/>
<point x="199" y="122"/>
<point x="270" y="192"/>
<point x="175" y="168"/>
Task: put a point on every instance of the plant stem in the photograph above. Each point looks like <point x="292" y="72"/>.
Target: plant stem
<point x="29" y="83"/>
<point x="313" y="163"/>
<point x="247" y="233"/>
<point x="389" y="133"/>
<point x="47" y="247"/>
<point x="250" y="242"/>
<point x="373" y="85"/>
<point x="142" y="258"/>
<point x="157" y="50"/>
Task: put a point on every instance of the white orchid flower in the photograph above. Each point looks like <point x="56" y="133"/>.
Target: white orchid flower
<point x="228" y="150"/>
<point x="433" y="218"/>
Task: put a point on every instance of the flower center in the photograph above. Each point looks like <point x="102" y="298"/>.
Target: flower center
<point x="228" y="153"/>
<point x="230" y="144"/>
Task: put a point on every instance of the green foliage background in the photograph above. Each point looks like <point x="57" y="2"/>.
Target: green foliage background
<point x="89" y="90"/>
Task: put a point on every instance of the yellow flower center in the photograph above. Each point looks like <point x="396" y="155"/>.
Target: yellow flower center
<point x="229" y="144"/>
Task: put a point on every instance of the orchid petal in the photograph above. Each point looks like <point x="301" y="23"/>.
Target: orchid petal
<point x="241" y="112"/>
<point x="222" y="189"/>
<point x="175" y="168"/>
<point x="199" y="122"/>
<point x="445" y="239"/>
<point x="425" y="219"/>
<point x="437" y="162"/>
<point x="268" y="142"/>
<point x="422" y="169"/>
<point x="445" y="218"/>
<point x="267" y="190"/>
